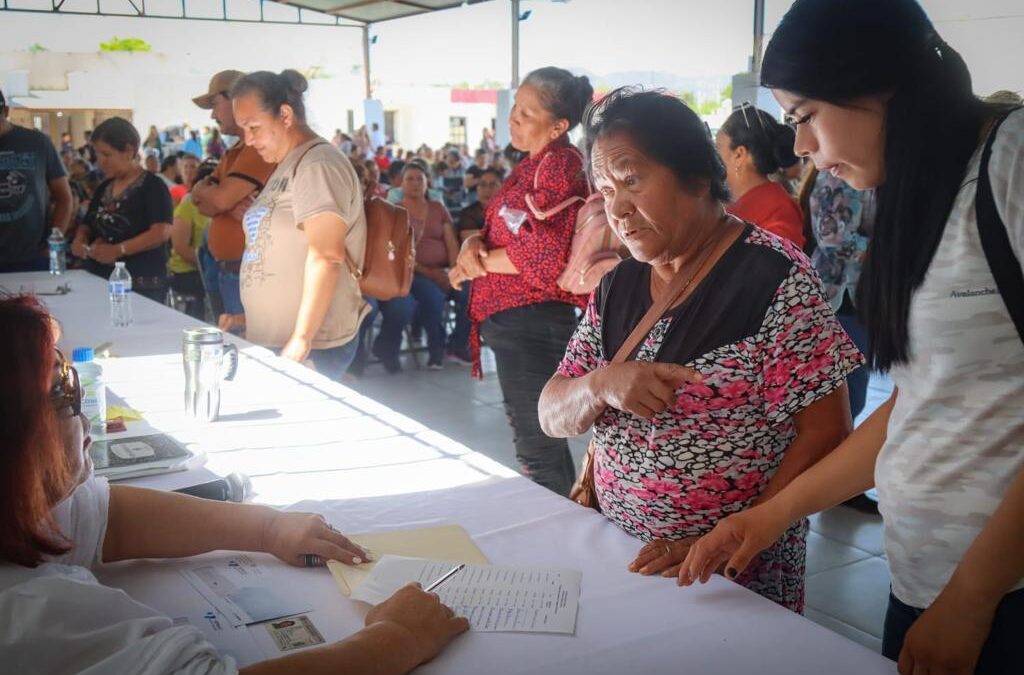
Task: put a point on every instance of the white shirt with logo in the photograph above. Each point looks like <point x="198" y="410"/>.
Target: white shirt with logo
<point x="956" y="434"/>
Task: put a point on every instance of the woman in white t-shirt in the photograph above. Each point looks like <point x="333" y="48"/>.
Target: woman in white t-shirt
<point x="57" y="521"/>
<point x="880" y="100"/>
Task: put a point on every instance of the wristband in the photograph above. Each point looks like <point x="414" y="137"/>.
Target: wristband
<point x="124" y="252"/>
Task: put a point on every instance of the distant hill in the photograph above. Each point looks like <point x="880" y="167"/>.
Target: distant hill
<point x="703" y="87"/>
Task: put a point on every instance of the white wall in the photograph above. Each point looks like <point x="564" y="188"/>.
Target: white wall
<point x="159" y="92"/>
<point x="422" y="115"/>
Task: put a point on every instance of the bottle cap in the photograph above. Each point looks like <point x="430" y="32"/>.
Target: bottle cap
<point x="119" y="263"/>
<point x="240" y="487"/>
<point x="83" y="355"/>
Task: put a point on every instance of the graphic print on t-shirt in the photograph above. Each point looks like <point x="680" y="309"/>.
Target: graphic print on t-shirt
<point x="16" y="199"/>
<point x="257" y="238"/>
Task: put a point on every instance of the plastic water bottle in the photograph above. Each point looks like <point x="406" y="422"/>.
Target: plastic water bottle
<point x="120" y="286"/>
<point x="94" y="391"/>
<point x="58" y="252"/>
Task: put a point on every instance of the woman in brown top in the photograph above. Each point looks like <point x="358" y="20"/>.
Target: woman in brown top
<point x="304" y="232"/>
<point x="436" y="251"/>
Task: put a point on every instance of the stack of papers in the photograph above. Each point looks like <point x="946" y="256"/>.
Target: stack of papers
<point x="445" y="542"/>
<point x="494" y="599"/>
<point x="134" y="457"/>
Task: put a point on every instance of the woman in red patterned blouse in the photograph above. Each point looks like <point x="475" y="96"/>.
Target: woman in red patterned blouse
<point x="515" y="304"/>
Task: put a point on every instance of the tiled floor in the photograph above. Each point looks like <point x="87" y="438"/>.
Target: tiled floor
<point x="847" y="575"/>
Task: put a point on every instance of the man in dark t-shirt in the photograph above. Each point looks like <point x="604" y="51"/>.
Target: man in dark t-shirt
<point x="31" y="176"/>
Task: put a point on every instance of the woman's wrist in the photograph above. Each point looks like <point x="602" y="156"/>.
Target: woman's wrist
<point x="968" y="589"/>
<point x="398" y="641"/>
<point x="595" y="385"/>
<point x="472" y="237"/>
<point x="784" y="507"/>
<point x="263" y="518"/>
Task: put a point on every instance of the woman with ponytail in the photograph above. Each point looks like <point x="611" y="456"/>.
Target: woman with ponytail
<point x="516" y="306"/>
<point x="304" y="233"/>
<point x="753" y="146"/>
<point x="941" y="296"/>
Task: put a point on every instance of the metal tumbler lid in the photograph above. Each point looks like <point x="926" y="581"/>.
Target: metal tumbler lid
<point x="203" y="335"/>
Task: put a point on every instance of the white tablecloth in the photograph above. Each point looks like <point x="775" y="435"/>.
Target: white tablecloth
<point x="319" y="446"/>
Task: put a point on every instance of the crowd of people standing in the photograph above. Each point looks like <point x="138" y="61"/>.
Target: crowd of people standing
<point x="719" y="365"/>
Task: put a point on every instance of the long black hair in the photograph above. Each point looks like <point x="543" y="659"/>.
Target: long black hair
<point x="839" y="50"/>
<point x="563" y="95"/>
<point x="769" y="142"/>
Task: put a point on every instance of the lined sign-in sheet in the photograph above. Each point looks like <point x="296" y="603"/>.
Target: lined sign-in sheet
<point x="493" y="598"/>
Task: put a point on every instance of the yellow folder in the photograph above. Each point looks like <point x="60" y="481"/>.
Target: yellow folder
<point x="446" y="542"/>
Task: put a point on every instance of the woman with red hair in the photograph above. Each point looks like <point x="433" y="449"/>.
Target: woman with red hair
<point x="57" y="521"/>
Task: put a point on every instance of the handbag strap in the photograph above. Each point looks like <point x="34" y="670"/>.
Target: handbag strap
<point x="356" y="273"/>
<point x="295" y="169"/>
<point x="995" y="242"/>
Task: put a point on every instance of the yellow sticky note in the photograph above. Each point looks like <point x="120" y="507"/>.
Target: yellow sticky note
<point x="124" y="412"/>
<point x="446" y="542"/>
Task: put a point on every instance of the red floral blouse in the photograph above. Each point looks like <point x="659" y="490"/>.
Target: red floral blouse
<point x="549" y="189"/>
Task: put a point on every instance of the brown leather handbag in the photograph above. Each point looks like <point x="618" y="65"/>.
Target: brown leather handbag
<point x="583" y="492"/>
<point x="390" y="252"/>
<point x="390" y="255"/>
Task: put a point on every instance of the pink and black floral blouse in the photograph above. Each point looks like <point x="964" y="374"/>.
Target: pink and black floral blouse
<point x="765" y="340"/>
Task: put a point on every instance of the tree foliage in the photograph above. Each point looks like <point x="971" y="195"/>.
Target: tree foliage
<point x="116" y="44"/>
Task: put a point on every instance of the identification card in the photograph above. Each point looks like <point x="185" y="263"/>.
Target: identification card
<point x="294" y="632"/>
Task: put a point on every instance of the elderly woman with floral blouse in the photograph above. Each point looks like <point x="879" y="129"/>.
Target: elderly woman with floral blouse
<point x="735" y="390"/>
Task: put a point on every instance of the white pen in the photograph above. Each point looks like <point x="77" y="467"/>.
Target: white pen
<point x="448" y="575"/>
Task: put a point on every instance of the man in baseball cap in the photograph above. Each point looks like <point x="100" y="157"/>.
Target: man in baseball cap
<point x="220" y="83"/>
<point x="239" y="176"/>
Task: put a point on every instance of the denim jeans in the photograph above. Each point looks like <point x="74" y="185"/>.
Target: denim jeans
<point x="211" y="279"/>
<point x="999" y="655"/>
<point x="857" y="381"/>
<point x="362" y="355"/>
<point x="395" y="314"/>
<point x="334" y="362"/>
<point x="426" y="302"/>
<point x="529" y="343"/>
<point x="458" y="340"/>
<point x="231" y="292"/>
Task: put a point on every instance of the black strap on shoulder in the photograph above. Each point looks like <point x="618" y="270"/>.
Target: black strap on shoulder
<point x="996" y="242"/>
